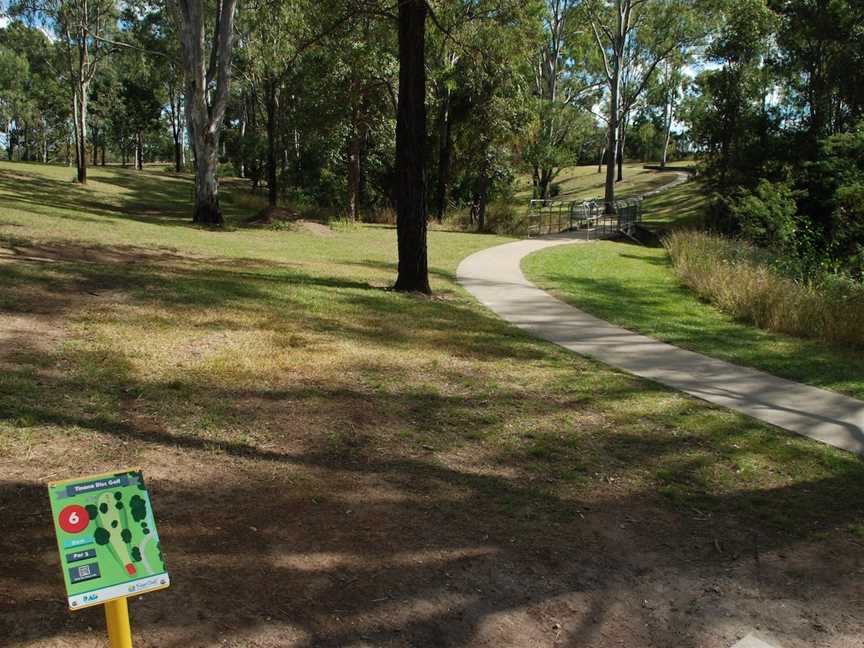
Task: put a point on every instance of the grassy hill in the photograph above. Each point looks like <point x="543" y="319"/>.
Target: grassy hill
<point x="583" y="182"/>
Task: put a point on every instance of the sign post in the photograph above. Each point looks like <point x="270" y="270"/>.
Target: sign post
<point x="109" y="548"/>
<point x="117" y="620"/>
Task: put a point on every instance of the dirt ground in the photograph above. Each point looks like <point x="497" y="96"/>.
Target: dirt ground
<point x="292" y="542"/>
<point x="281" y="548"/>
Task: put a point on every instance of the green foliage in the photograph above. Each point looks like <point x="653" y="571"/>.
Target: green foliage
<point x="766" y="215"/>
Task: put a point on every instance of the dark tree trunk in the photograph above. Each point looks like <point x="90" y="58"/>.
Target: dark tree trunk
<point x="444" y="152"/>
<point x="178" y="153"/>
<point x="482" y="197"/>
<point x="355" y="144"/>
<point x="545" y="183"/>
<point x="620" y="160"/>
<point x="139" y="147"/>
<point x="103" y="153"/>
<point x="411" y="210"/>
<point x="272" y="174"/>
<point x="95" y="146"/>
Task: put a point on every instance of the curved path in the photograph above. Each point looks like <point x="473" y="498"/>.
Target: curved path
<point x="495" y="278"/>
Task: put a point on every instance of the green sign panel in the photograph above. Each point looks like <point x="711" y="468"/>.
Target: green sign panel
<point x="106" y="534"/>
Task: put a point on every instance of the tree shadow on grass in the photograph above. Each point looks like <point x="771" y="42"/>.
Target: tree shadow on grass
<point x="145" y="198"/>
<point x="335" y="533"/>
<point x="400" y="550"/>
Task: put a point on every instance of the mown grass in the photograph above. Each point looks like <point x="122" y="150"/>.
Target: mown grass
<point x="680" y="206"/>
<point x="583" y="182"/>
<point x="637" y="288"/>
<point x="129" y="333"/>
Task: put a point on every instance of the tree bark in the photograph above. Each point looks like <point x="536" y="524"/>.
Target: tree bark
<point x="207" y="91"/>
<point x="411" y="209"/>
<point x="482" y="195"/>
<point x="612" y="143"/>
<point x="355" y="145"/>
<point x="444" y="154"/>
<point x="81" y="100"/>
<point x="622" y="136"/>
<point x="272" y="173"/>
<point x="95" y="145"/>
<point x="139" y="148"/>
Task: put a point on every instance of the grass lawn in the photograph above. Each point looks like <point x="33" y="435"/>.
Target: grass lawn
<point x="335" y="464"/>
<point x="680" y="206"/>
<point x="635" y="287"/>
<point x="583" y="182"/>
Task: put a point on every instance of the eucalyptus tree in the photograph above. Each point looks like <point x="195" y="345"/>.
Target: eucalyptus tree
<point x="207" y="74"/>
<point x="633" y="37"/>
<point x="272" y="37"/>
<point x="32" y="102"/>
<point x="565" y="82"/>
<point x="84" y="30"/>
<point x="14" y="71"/>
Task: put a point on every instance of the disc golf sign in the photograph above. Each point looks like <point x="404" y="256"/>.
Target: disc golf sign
<point x="106" y="534"/>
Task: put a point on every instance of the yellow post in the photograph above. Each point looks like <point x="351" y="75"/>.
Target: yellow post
<point x="117" y="619"/>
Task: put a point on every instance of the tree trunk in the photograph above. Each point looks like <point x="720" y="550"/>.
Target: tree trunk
<point x="411" y="210"/>
<point x="95" y="146"/>
<point x="272" y="173"/>
<point x="622" y="134"/>
<point x="545" y="185"/>
<point x="243" y="114"/>
<point x="482" y="196"/>
<point x="612" y="143"/>
<point x="207" y="211"/>
<point x="206" y="96"/>
<point x="354" y="146"/>
<point x="81" y="131"/>
<point x="139" y="150"/>
<point x="444" y="154"/>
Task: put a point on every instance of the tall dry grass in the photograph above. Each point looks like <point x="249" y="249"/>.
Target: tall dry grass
<point x="737" y="278"/>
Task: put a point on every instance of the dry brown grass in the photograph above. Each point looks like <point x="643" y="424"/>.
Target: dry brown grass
<point x="732" y="275"/>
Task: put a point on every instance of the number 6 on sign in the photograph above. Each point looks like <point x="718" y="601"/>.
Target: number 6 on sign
<point x="73" y="519"/>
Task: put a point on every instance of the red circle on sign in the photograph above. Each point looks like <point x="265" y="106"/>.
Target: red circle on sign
<point x="74" y="519"/>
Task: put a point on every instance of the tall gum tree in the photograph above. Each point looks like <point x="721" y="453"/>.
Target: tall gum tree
<point x="208" y="83"/>
<point x="633" y="37"/>
<point x="411" y="207"/>
<point x="84" y="29"/>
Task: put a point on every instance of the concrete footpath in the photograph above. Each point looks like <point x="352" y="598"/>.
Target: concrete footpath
<point x="494" y="277"/>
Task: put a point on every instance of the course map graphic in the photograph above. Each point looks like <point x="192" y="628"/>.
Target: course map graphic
<point x="106" y="534"/>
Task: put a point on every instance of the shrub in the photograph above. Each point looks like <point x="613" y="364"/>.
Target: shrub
<point x="738" y="278"/>
<point x="765" y="215"/>
<point x="503" y="218"/>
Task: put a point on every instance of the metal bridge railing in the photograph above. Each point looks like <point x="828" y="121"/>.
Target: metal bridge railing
<point x="596" y="218"/>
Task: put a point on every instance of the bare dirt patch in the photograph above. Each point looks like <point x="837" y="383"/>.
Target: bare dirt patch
<point x="285" y="218"/>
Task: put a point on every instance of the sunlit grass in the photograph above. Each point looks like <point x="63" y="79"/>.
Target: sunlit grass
<point x="636" y="287"/>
